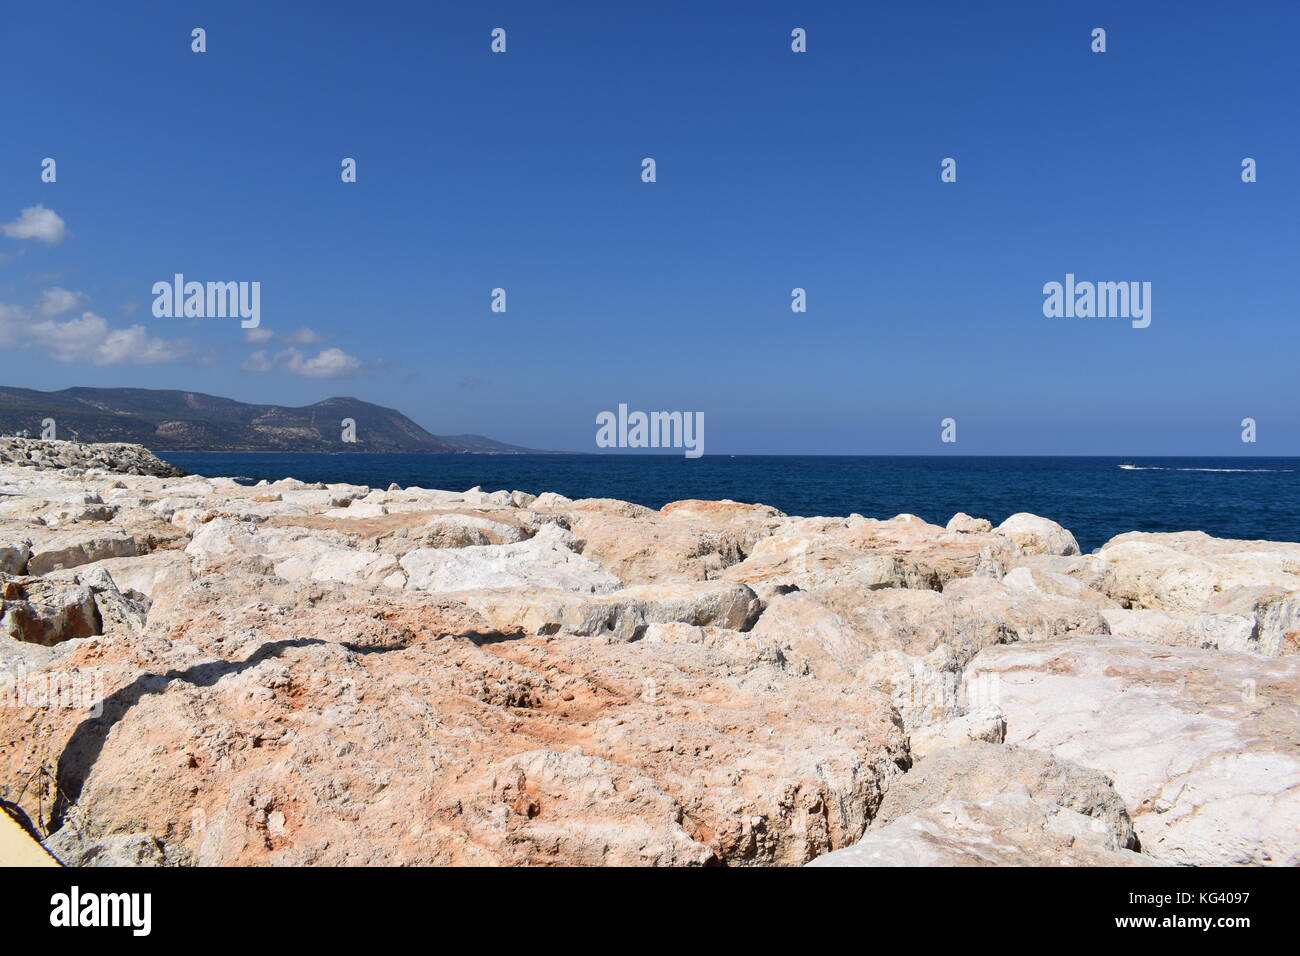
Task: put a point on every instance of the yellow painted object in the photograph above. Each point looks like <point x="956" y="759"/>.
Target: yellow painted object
<point x="17" y="848"/>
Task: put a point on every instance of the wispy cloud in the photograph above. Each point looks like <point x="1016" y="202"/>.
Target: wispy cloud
<point x="259" y="361"/>
<point x="58" y="301"/>
<point x="328" y="363"/>
<point x="302" y="336"/>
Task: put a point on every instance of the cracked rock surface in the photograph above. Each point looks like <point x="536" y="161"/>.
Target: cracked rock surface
<point x="195" y="671"/>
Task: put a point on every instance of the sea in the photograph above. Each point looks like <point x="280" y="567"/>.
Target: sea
<point x="1096" y="498"/>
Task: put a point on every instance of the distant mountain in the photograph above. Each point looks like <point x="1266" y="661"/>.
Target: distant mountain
<point x="169" y="420"/>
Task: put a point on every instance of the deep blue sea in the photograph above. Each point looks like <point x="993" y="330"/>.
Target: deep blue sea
<point x="1093" y="497"/>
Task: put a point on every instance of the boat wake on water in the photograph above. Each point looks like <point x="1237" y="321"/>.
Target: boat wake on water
<point x="1245" y="470"/>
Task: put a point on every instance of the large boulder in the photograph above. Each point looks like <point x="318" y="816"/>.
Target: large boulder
<point x="981" y="724"/>
<point x="1220" y="586"/>
<point x="650" y="548"/>
<point x="544" y="561"/>
<point x="623" y="614"/>
<point x="66" y="605"/>
<point x="253" y="737"/>
<point x="464" y="531"/>
<point x="912" y="643"/>
<point x="1035" y="535"/>
<point x="54" y="551"/>
<point x="980" y="771"/>
<point x="1035" y="614"/>
<point x="1204" y="746"/>
<point x="865" y="553"/>
<point x="750" y="523"/>
<point x="1038" y="580"/>
<point x="15" y="550"/>
<point x="159" y="575"/>
<point x="1010" y="829"/>
<point x="293" y="553"/>
<point x="46" y="613"/>
<point x="965" y="524"/>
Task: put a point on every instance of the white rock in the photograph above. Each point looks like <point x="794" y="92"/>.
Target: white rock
<point x="1204" y="746"/>
<point x="1010" y="829"/>
<point x="965" y="524"/>
<point x="70" y="549"/>
<point x="358" y="509"/>
<point x="543" y="561"/>
<point x="1035" y="535"/>
<point x="986" y="724"/>
<point x="149" y="574"/>
<point x="14" y="552"/>
<point x="549" y="499"/>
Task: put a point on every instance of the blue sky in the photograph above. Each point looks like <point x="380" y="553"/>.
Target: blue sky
<point x="775" y="170"/>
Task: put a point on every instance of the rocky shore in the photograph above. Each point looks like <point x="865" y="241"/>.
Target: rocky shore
<point x="115" y="457"/>
<point x="194" y="671"/>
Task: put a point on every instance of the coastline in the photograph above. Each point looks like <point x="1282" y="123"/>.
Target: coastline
<point x="1092" y="497"/>
<point x="332" y="673"/>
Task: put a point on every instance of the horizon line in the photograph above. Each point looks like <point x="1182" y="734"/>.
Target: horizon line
<point x="671" y="454"/>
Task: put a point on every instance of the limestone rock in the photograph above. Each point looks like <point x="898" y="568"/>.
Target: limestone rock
<point x="1253" y="585"/>
<point x="44" y="613"/>
<point x="984" y="725"/>
<point x="549" y="499"/>
<point x="1036" y="580"/>
<point x="126" y="849"/>
<point x="14" y="553"/>
<point x="964" y="523"/>
<point x="623" y="614"/>
<point x="651" y="548"/>
<point x="70" y="549"/>
<point x="1035" y="535"/>
<point x="463" y="531"/>
<point x="64" y="606"/>
<point x="285" y="746"/>
<point x="1011" y="829"/>
<point x="865" y="553"/>
<point x="108" y="457"/>
<point x="543" y="561"/>
<point x="980" y="771"/>
<point x="610" y="506"/>
<point x="299" y="674"/>
<point x="157" y="576"/>
<point x="913" y="643"/>
<point x="1204" y="746"/>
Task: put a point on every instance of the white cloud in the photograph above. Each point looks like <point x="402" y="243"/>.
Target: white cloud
<point x="259" y="361"/>
<point x="39" y="223"/>
<point x="57" y="301"/>
<point x="84" y="339"/>
<point x="329" y="363"/>
<point x="302" y="337"/>
<point x="12" y="320"/>
<point x="91" y="339"/>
